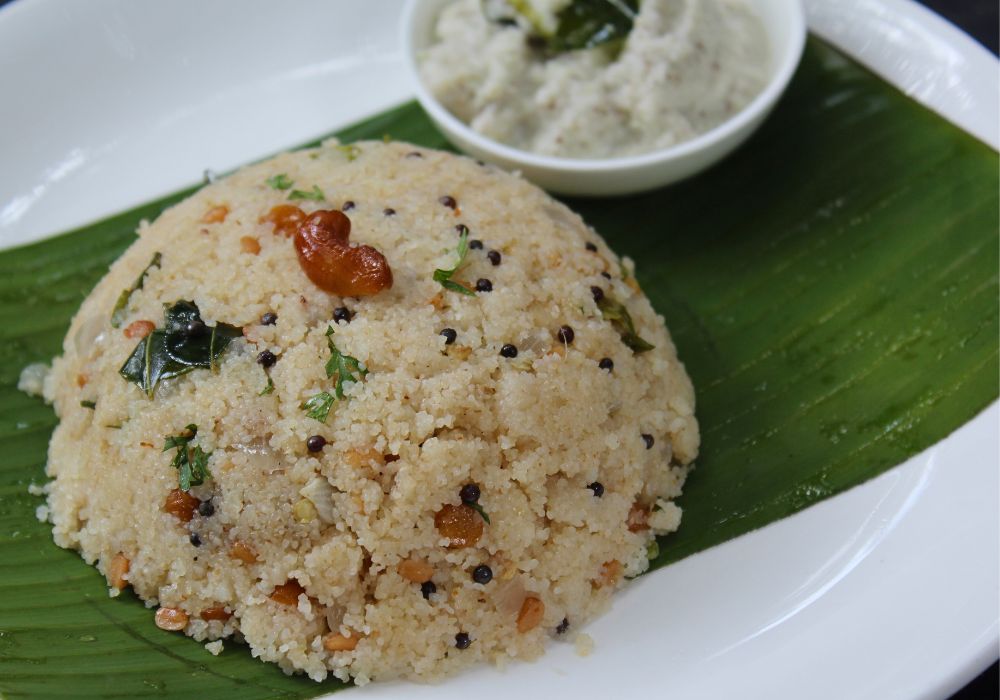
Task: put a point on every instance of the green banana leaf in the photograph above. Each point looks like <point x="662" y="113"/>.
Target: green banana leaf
<point x="832" y="289"/>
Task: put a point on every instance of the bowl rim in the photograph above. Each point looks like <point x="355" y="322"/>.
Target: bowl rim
<point x="732" y="127"/>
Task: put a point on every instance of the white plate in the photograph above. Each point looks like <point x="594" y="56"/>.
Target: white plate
<point x="887" y="591"/>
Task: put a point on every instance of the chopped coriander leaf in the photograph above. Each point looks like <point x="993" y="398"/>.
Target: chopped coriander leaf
<point x="444" y="277"/>
<point x="316" y="194"/>
<point x="616" y="312"/>
<point x="267" y="389"/>
<point x="281" y="181"/>
<point x="89" y="404"/>
<point x="190" y="462"/>
<point x="318" y="406"/>
<point x="479" y="509"/>
<point x="344" y="369"/>
<point x="121" y="306"/>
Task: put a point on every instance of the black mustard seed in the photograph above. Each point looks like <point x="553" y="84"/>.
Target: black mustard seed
<point x="484" y="285"/>
<point x="565" y="335"/>
<point x="389" y="211"/>
<point x="591" y="247"/>
<point x="462" y="640"/>
<point x="606" y="363"/>
<point x="469" y="493"/>
<point x="266" y="358"/>
<point x="648" y="439"/>
<point x="475" y="244"/>
<point x="597" y="292"/>
<point x="315" y="443"/>
<point x="597" y="487"/>
<point x="448" y="201"/>
<point x="494" y="257"/>
<point x="342" y="313"/>
<point x="347" y="206"/>
<point x="482" y="574"/>
<point x="427" y="589"/>
<point x="206" y="509"/>
<point x="449" y="335"/>
<point x="195" y="328"/>
<point x="509" y="351"/>
<point x="269" y="319"/>
<point x="195" y="539"/>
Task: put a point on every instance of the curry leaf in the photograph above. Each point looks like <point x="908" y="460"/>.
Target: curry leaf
<point x="584" y="24"/>
<point x="620" y="318"/>
<point x="121" y="306"/>
<point x="184" y="344"/>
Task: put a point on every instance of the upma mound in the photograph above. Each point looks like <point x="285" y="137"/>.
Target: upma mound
<point x="459" y="463"/>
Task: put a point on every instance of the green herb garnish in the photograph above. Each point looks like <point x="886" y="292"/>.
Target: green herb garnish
<point x="445" y="276"/>
<point x="175" y="350"/>
<point x="281" y="181"/>
<point x="616" y="312"/>
<point x="318" y="406"/>
<point x="118" y="313"/>
<point x="581" y="24"/>
<point x="342" y="368"/>
<point x="267" y="389"/>
<point x="190" y="462"/>
<point x="584" y="24"/>
<point x="349" y="150"/>
<point x="316" y="194"/>
<point x="89" y="404"/>
<point x="653" y="549"/>
<point x="479" y="509"/>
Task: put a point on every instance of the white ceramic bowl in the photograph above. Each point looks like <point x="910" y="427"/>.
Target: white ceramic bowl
<point x="785" y="24"/>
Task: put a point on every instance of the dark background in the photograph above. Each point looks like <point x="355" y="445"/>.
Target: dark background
<point x="979" y="18"/>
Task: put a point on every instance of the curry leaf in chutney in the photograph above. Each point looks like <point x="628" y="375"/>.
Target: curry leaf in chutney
<point x="584" y="24"/>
